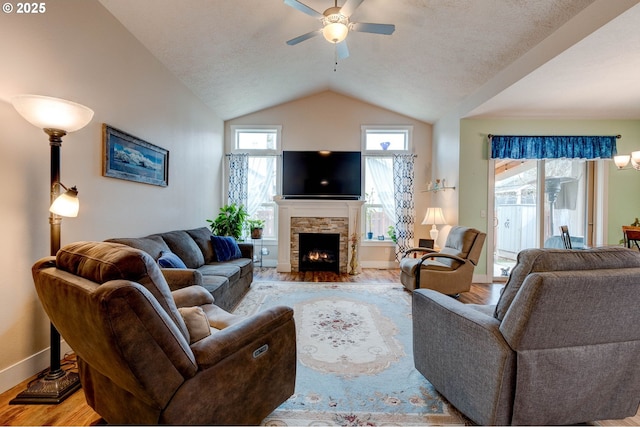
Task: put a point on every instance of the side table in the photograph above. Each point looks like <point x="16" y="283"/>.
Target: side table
<point x="257" y="253"/>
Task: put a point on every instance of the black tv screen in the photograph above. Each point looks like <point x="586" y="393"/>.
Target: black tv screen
<point x="321" y="174"/>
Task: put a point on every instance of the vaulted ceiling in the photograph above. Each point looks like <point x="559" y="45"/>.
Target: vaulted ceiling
<point x="443" y="53"/>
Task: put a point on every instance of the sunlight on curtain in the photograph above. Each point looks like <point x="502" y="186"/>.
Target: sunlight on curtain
<point x="261" y="178"/>
<point x="381" y="173"/>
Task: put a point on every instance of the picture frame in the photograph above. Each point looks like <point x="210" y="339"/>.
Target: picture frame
<point x="130" y="158"/>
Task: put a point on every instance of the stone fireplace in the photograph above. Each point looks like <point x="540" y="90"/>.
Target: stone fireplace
<point x="295" y="217"/>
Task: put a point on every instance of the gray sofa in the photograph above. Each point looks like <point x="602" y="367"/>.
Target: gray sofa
<point x="227" y="281"/>
<point x="562" y="346"/>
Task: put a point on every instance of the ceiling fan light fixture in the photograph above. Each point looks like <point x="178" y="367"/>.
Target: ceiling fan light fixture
<point x="336" y="26"/>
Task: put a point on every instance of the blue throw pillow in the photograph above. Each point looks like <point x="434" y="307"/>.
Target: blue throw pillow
<point x="226" y="248"/>
<point x="170" y="260"/>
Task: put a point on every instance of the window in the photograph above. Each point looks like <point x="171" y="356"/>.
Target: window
<point x="262" y="144"/>
<point x="378" y="146"/>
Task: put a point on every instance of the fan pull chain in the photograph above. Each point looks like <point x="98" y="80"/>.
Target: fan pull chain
<point x="335" y="57"/>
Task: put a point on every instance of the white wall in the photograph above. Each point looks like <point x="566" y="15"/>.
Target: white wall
<point x="78" y="51"/>
<point x="331" y="121"/>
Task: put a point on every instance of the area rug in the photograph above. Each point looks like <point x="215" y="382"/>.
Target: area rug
<point x="355" y="363"/>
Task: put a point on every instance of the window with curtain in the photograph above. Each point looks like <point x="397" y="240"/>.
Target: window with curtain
<point x="260" y="146"/>
<point x="379" y="145"/>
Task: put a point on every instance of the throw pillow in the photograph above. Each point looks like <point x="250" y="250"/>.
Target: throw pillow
<point x="197" y="323"/>
<point x="170" y="260"/>
<point x="226" y="248"/>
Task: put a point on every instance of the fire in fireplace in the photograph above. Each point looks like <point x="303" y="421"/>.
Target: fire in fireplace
<point x="319" y="252"/>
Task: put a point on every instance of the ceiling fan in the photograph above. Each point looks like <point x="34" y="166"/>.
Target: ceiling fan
<point x="336" y="24"/>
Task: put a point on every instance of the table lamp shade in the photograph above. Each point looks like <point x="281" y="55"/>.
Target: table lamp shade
<point x="434" y="216"/>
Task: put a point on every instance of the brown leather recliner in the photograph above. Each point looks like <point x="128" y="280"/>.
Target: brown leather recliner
<point x="449" y="271"/>
<point x="149" y="353"/>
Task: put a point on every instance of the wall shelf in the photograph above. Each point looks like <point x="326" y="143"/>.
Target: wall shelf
<point x="435" y="190"/>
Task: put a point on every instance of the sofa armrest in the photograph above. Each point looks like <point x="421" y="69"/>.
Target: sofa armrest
<point x="179" y="278"/>
<point x="191" y="296"/>
<point x="246" y="249"/>
<point x="461" y="351"/>
<point x="252" y="330"/>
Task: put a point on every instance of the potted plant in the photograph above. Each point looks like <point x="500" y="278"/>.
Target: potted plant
<point x="391" y="232"/>
<point x="229" y="221"/>
<point x="255" y="225"/>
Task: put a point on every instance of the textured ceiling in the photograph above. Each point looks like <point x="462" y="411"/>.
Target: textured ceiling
<point x="232" y="54"/>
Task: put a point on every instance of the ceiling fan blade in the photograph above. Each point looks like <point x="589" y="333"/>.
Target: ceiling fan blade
<point x="349" y="7"/>
<point x="365" y="27"/>
<point x="303" y="8"/>
<point x="303" y="37"/>
<point x="342" y="49"/>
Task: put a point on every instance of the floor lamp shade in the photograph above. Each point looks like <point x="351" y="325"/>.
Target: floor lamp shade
<point x="434" y="217"/>
<point x="46" y="112"/>
<point x="66" y="204"/>
<point x="56" y="117"/>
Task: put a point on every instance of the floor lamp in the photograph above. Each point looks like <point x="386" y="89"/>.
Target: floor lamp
<point x="56" y="117"/>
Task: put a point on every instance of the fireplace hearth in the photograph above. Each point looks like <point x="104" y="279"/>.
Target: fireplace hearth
<point x="319" y="252"/>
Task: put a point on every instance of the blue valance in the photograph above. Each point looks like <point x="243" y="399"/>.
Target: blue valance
<point x="552" y="147"/>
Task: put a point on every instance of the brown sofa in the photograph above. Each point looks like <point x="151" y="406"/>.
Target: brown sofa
<point x="147" y="355"/>
<point x="227" y="281"/>
<point x="562" y="346"/>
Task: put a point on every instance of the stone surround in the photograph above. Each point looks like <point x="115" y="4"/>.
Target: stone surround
<point x="337" y="225"/>
<point x="315" y="216"/>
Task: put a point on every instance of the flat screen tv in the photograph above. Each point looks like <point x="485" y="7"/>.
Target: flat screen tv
<point x="321" y="174"/>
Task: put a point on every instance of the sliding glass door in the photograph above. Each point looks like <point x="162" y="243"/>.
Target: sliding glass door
<point x="532" y="199"/>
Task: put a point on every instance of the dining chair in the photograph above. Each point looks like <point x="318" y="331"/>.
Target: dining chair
<point x="631" y="236"/>
<point x="564" y="234"/>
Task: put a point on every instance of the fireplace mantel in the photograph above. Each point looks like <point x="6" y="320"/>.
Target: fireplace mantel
<point x="322" y="208"/>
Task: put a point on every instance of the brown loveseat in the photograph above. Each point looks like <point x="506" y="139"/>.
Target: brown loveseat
<point x="150" y="356"/>
<point x="227" y="281"/>
<point x="562" y="346"/>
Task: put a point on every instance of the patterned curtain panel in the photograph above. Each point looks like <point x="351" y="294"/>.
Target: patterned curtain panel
<point x="552" y="147"/>
<point x="405" y="208"/>
<point x="238" y="178"/>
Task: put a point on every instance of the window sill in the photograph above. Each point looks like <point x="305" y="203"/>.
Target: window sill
<point x="374" y="242"/>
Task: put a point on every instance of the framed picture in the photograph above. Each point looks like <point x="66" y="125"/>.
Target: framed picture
<point x="130" y="158"/>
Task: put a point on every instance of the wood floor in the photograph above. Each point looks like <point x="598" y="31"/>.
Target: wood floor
<point x="75" y="412"/>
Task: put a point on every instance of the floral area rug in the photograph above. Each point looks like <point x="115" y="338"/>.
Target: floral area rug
<point x="355" y="363"/>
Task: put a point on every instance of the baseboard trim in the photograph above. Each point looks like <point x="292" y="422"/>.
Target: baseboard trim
<point x="383" y="265"/>
<point x="482" y="278"/>
<point x="26" y="368"/>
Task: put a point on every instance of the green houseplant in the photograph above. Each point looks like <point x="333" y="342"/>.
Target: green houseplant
<point x="255" y="226"/>
<point x="229" y="221"/>
<point x="391" y="232"/>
